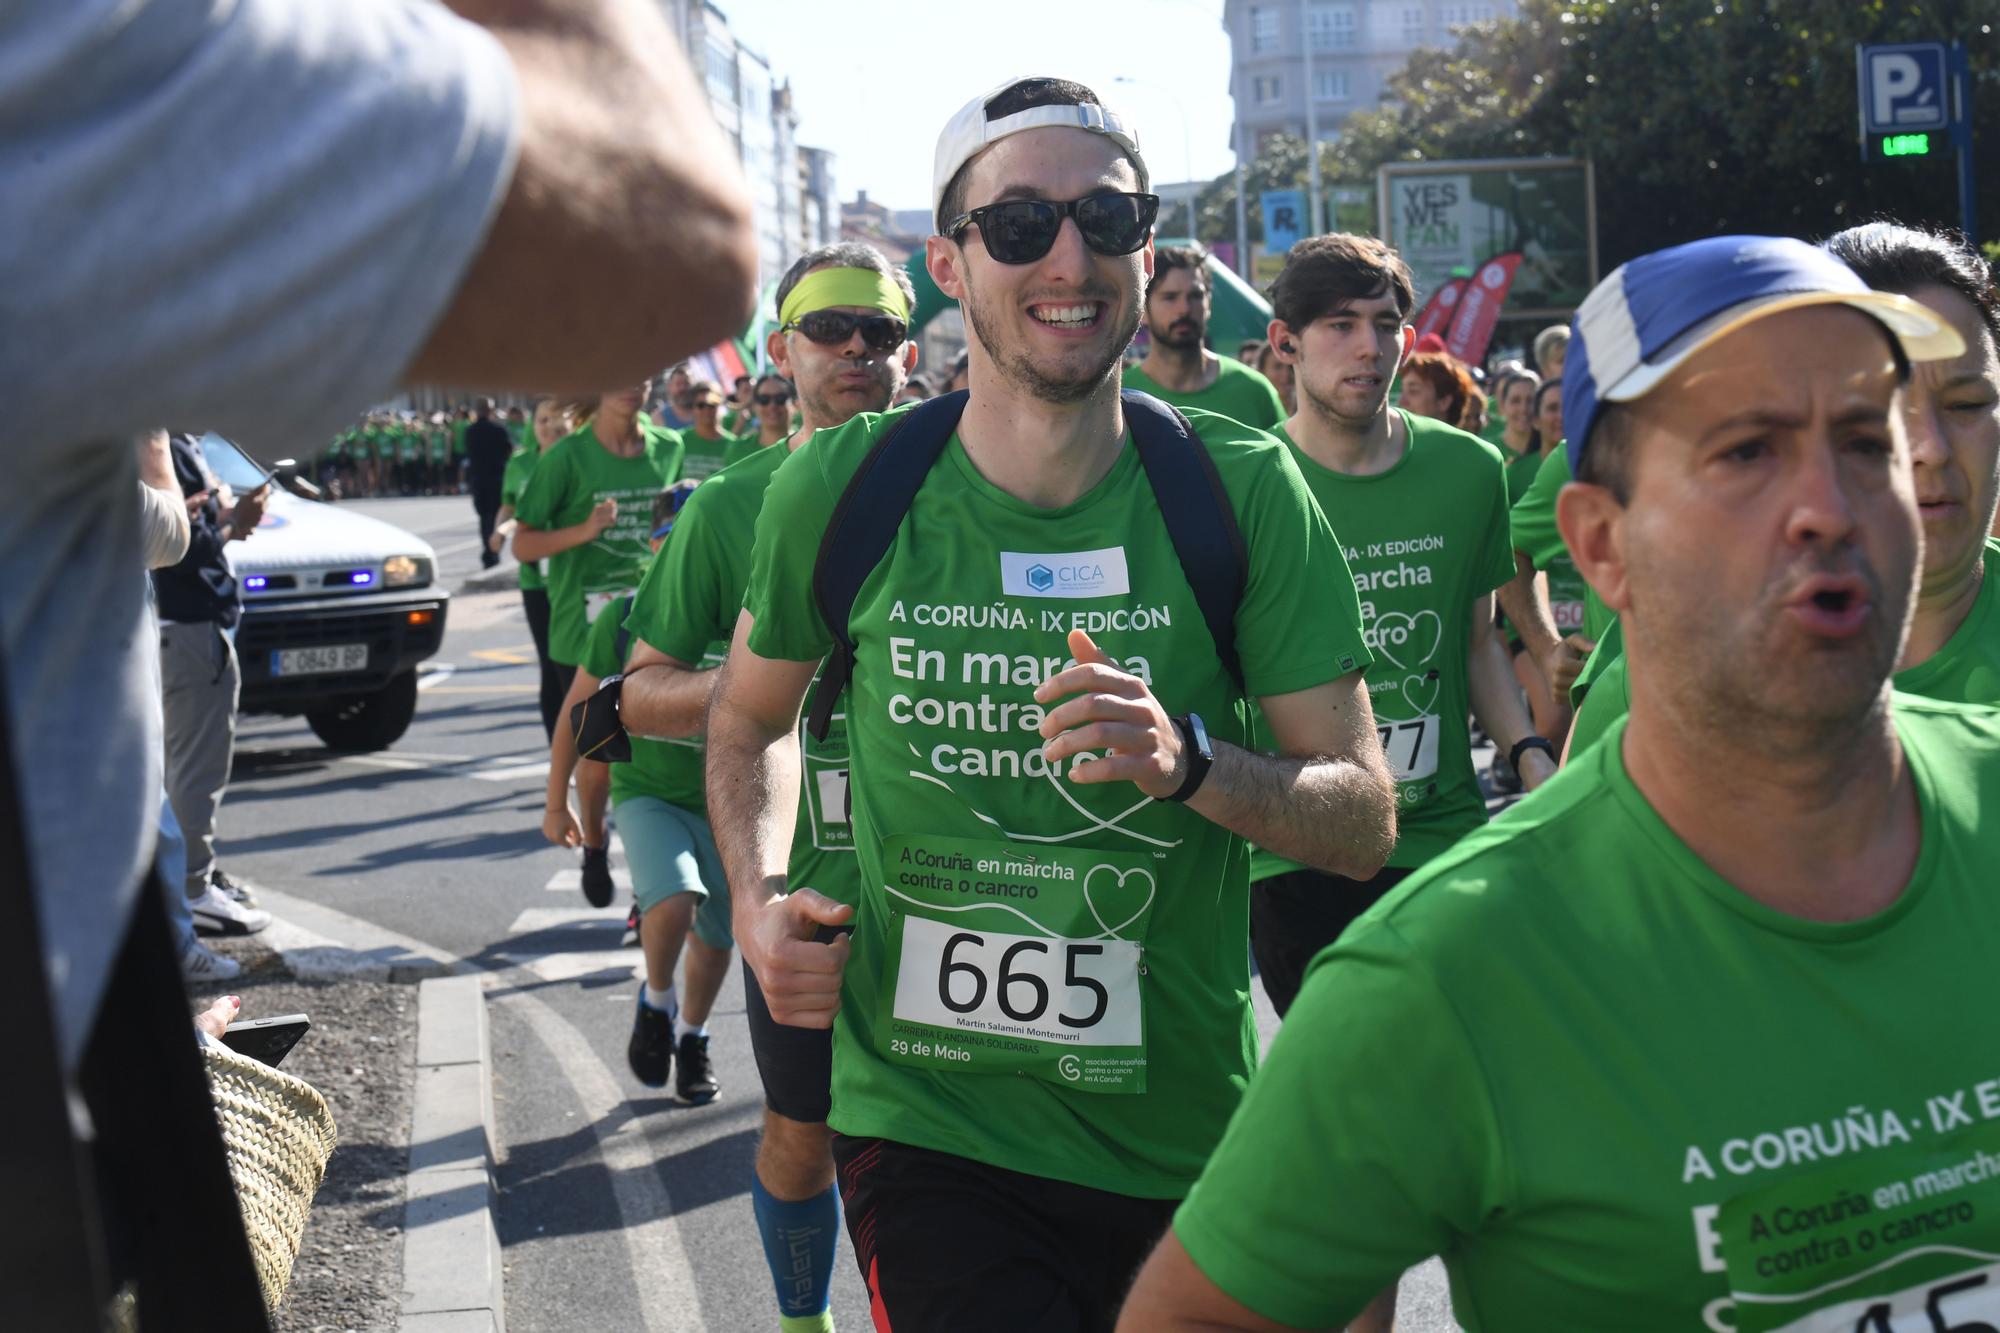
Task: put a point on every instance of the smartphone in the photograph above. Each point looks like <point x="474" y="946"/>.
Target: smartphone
<point x="266" y="1039"/>
<point x="238" y="470"/>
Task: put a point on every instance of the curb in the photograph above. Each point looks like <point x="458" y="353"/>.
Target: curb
<point x="319" y="942"/>
<point x="452" y="1279"/>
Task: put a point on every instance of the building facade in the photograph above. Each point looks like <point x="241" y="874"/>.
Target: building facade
<point x="1355" y="45"/>
<point x="791" y="187"/>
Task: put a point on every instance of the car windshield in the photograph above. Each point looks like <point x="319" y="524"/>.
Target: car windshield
<point x="231" y="465"/>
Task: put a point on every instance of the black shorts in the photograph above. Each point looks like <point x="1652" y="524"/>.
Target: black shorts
<point x="796" y="1064"/>
<point x="948" y="1245"/>
<point x="1295" y="915"/>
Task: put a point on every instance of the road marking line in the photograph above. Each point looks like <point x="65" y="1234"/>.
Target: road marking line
<point x="487" y="689"/>
<point x="571" y="880"/>
<point x="591" y="920"/>
<point x="436" y="676"/>
<point x="512" y="773"/>
<point x="664" y="1282"/>
<point x="523" y="655"/>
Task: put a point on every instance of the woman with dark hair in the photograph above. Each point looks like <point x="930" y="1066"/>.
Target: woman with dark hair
<point x="1435" y="385"/>
<point x="552" y="421"/>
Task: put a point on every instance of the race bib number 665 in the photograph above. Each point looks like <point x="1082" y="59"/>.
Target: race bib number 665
<point x="1010" y="960"/>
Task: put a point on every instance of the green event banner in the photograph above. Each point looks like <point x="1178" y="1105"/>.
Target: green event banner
<point x="1448" y="218"/>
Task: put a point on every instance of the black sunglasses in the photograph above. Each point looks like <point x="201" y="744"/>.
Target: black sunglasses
<point x="832" y="327"/>
<point x="772" y="399"/>
<point x="1020" y="231"/>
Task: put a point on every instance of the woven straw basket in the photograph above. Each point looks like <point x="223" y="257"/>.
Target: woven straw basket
<point x="279" y="1135"/>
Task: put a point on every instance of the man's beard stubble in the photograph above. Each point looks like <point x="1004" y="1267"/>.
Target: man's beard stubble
<point x="1019" y="368"/>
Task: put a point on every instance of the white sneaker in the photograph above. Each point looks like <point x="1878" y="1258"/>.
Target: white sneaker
<point x="216" y="913"/>
<point x="199" y="963"/>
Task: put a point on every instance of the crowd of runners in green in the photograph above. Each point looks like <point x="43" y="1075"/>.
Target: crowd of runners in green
<point x="1001" y="732"/>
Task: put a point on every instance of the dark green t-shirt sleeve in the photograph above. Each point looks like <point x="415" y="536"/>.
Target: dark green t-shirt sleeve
<point x="797" y="507"/>
<point x="1299" y="623"/>
<point x="1533" y="520"/>
<point x="679" y="607"/>
<point x="1270" y="407"/>
<point x="547" y="490"/>
<point x="600" y="646"/>
<point x="1366" y="1143"/>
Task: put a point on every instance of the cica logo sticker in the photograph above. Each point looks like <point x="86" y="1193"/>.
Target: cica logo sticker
<point x="1068" y="574"/>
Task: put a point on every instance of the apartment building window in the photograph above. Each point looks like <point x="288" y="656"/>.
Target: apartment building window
<point x="1413" y="24"/>
<point x="1330" y="85"/>
<point x="1267" y="27"/>
<point x="1267" y="90"/>
<point x="1331" y="27"/>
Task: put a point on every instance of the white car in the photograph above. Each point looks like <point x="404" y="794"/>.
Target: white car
<point x="338" y="610"/>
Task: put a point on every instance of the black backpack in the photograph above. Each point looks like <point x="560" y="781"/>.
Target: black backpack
<point x="1200" y="522"/>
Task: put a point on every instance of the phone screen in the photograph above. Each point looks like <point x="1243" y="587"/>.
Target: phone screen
<point x="231" y="466"/>
<point x="267" y="1039"/>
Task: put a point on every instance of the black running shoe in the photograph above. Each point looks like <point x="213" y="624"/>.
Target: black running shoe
<point x="651" y="1050"/>
<point x="597" y="885"/>
<point x="694" y="1081"/>
<point x="630" y="939"/>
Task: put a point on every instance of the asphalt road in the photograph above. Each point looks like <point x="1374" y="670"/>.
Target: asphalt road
<point x="619" y="1207"/>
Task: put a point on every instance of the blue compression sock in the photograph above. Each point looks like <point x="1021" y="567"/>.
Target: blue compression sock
<point x="799" y="1244"/>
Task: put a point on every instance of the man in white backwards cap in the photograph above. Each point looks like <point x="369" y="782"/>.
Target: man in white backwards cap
<point x="1041" y="1020"/>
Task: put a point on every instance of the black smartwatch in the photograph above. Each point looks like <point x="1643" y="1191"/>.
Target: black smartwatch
<point x="1194" y="743"/>
<point x="1525" y="744"/>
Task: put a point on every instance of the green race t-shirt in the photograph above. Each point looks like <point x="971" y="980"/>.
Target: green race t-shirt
<point x="742" y="447"/>
<point x="1965" y="670"/>
<point x="517" y="431"/>
<point x="521" y="466"/>
<point x="438" y="440"/>
<point x="669" y="770"/>
<point x="687" y="608"/>
<point x="1047" y="977"/>
<point x="410" y="445"/>
<point x="458" y="437"/>
<point x="704" y="458"/>
<point x="1571" y="598"/>
<point x="1609" y="1097"/>
<point x="572" y="476"/>
<point x="1239" y="393"/>
<point x="1423" y="539"/>
<point x="1521" y="470"/>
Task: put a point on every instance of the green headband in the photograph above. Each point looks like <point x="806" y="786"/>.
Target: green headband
<point x="844" y="286"/>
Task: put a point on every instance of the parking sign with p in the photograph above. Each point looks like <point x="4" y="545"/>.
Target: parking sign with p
<point x="1905" y="89"/>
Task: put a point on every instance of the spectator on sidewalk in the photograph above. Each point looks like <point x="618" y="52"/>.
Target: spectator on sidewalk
<point x="386" y="187"/>
<point x="200" y="680"/>
<point x="488" y="446"/>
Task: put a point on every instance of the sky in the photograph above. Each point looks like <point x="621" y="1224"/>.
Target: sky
<point x="875" y="80"/>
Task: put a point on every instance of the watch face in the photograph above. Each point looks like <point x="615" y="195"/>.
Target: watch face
<point x="1200" y="735"/>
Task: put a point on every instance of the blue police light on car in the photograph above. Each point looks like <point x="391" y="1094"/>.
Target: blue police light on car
<point x="256" y="583"/>
<point x="361" y="576"/>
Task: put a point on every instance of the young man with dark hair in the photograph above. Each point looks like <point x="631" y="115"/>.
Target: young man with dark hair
<point x="1734" y="1068"/>
<point x="1179" y="368"/>
<point x="1421" y="510"/>
<point x="844" y="363"/>
<point x="1041" y="1019"/>
<point x="706" y="443"/>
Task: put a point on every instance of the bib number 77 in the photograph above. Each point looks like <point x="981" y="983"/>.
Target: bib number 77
<point x="1411" y="747"/>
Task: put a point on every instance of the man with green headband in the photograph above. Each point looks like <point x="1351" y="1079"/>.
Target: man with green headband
<point x="683" y="617"/>
<point x="1041" y="1019"/>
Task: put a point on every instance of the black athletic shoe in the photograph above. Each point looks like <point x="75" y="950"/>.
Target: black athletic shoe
<point x="597" y="885"/>
<point x="694" y="1081"/>
<point x="630" y="939"/>
<point x="651" y="1049"/>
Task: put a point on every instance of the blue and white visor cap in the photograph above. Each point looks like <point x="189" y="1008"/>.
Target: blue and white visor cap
<point x="1640" y="324"/>
<point x="970" y="132"/>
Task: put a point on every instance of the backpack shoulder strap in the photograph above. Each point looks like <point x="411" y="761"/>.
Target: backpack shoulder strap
<point x="863" y="527"/>
<point x="1201" y="521"/>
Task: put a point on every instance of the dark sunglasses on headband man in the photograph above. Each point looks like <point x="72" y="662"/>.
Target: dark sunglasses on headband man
<point x="882" y="333"/>
<point x="777" y="399"/>
<point x="1021" y="231"/>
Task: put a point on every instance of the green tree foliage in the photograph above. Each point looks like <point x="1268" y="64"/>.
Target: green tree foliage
<point x="1702" y="116"/>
